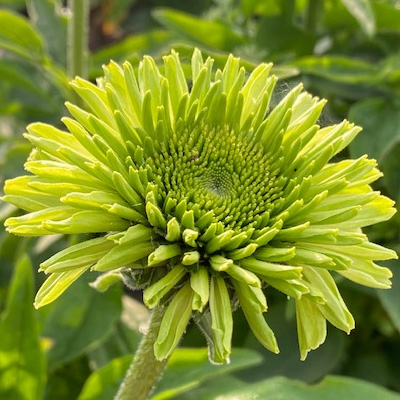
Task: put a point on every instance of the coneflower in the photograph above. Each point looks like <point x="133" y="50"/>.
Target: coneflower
<point x="203" y="195"/>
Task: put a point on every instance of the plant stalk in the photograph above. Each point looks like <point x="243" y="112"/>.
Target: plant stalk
<point x="77" y="39"/>
<point x="313" y="15"/>
<point x="145" y="370"/>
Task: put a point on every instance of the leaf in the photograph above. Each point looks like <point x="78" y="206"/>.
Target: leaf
<point x="339" y="69"/>
<point x="318" y="363"/>
<point x="212" y="33"/>
<point x="16" y="74"/>
<point x="363" y="12"/>
<point x="17" y="36"/>
<point x="147" y="42"/>
<point x="387" y="16"/>
<point x="80" y="320"/>
<point x="391" y="298"/>
<point x="391" y="170"/>
<point x="22" y="362"/>
<point x="331" y="388"/>
<point x="47" y="18"/>
<point x="187" y="368"/>
<point x="277" y="35"/>
<point x="103" y="384"/>
<point x="380" y="120"/>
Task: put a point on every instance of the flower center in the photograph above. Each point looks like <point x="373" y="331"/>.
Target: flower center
<point x="220" y="170"/>
<point x="218" y="181"/>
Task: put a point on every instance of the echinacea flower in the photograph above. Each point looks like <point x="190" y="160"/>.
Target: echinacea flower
<point x="204" y="195"/>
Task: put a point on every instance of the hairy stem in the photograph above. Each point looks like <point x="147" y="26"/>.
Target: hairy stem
<point x="77" y="40"/>
<point x="145" y="370"/>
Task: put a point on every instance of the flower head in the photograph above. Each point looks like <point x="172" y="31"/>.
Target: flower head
<point x="204" y="195"/>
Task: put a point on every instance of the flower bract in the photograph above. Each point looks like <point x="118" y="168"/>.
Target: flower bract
<point x="202" y="189"/>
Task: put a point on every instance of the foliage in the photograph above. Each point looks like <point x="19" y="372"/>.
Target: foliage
<point x="343" y="50"/>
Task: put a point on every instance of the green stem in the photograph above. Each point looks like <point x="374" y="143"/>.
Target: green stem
<point x="77" y="40"/>
<point x="145" y="370"/>
<point x="313" y="15"/>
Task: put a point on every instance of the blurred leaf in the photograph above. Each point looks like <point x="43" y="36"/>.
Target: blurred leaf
<point x="391" y="298"/>
<point x="282" y="39"/>
<point x="67" y="381"/>
<point x="187" y="368"/>
<point x="318" y="363"/>
<point x="46" y="16"/>
<point x="118" y="9"/>
<point x="260" y="7"/>
<point x="12" y="160"/>
<point x="131" y="46"/>
<point x="212" y="33"/>
<point x="331" y="388"/>
<point x="387" y="16"/>
<point x="22" y="362"/>
<point x="80" y="320"/>
<point x="362" y="11"/>
<point x="103" y="384"/>
<point x="18" y="36"/>
<point x="126" y="335"/>
<point x="339" y="69"/>
<point x="16" y="73"/>
<point x="391" y="170"/>
<point x="380" y="120"/>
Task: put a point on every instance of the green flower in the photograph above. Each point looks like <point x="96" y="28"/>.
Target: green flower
<point x="204" y="196"/>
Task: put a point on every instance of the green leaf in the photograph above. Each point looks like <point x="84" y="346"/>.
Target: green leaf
<point x="277" y="35"/>
<point x="339" y="69"/>
<point x="391" y="298"/>
<point x="18" y="75"/>
<point x="80" y="320"/>
<point x="47" y="18"/>
<point x="380" y="120"/>
<point x="147" y="42"/>
<point x="17" y="36"/>
<point x="391" y="170"/>
<point x="387" y="16"/>
<point x="103" y="384"/>
<point x="212" y="33"/>
<point x="22" y="362"/>
<point x="331" y="388"/>
<point x="363" y="12"/>
<point x="187" y="368"/>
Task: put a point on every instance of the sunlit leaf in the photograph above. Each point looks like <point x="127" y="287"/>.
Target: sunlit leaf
<point x="363" y="12"/>
<point x="211" y="33"/>
<point x="22" y="362"/>
<point x="18" y="36"/>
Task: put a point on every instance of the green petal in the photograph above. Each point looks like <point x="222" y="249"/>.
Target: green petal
<point x="271" y="270"/>
<point x="334" y="310"/>
<point x="311" y="326"/>
<point x="163" y="253"/>
<point x="254" y="315"/>
<point x="55" y="285"/>
<point x="222" y="324"/>
<point x="83" y="254"/>
<point x="154" y="293"/>
<point x="199" y="282"/>
<point x="174" y="323"/>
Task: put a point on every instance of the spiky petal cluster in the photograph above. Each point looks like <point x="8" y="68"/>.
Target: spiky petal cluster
<point x="204" y="195"/>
